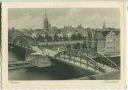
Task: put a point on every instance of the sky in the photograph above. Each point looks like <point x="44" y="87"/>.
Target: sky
<point x="87" y="17"/>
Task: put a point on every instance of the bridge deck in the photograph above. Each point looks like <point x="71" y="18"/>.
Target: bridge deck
<point x="82" y="63"/>
<point x="74" y="63"/>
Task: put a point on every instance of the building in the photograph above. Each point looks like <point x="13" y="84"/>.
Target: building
<point x="112" y="42"/>
<point x="47" y="25"/>
<point x="100" y="42"/>
<point x="105" y="40"/>
<point x="118" y="43"/>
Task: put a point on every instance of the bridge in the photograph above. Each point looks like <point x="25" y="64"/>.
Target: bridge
<point x="85" y="59"/>
<point x="21" y="40"/>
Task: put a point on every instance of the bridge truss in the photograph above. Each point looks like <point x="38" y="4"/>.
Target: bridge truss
<point x="87" y="59"/>
<point x="25" y="42"/>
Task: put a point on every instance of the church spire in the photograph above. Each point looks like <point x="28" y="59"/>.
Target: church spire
<point x="104" y="24"/>
<point x="45" y="13"/>
<point x="46" y="23"/>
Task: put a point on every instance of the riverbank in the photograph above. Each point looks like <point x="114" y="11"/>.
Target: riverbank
<point x="103" y="76"/>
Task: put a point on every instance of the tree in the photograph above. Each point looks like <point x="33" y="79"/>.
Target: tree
<point x="77" y="46"/>
<point x="79" y="36"/>
<point x="84" y="45"/>
<point x="73" y="37"/>
<point x="55" y="37"/>
<point x="47" y="37"/>
<point x="68" y="46"/>
<point x="76" y="36"/>
<point x="65" y="38"/>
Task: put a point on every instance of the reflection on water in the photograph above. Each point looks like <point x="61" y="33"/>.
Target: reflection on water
<point x="15" y="55"/>
<point x="57" y="72"/>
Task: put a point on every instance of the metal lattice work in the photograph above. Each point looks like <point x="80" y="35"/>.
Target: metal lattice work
<point x="101" y="58"/>
<point x="25" y="42"/>
<point x="87" y="60"/>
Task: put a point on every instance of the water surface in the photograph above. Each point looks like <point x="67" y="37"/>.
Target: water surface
<point x="57" y="72"/>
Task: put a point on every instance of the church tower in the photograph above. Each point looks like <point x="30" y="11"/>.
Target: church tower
<point x="46" y="22"/>
<point x="104" y="25"/>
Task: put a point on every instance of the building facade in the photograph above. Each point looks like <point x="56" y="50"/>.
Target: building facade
<point x="100" y="42"/>
<point x="112" y="43"/>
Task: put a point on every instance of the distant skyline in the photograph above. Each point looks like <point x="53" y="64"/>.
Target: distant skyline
<point x="60" y="17"/>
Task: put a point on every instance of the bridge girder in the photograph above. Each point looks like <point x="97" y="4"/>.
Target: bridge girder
<point x="87" y="58"/>
<point x="21" y="40"/>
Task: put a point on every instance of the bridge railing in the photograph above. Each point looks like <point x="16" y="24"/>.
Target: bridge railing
<point x="95" y="65"/>
<point x="91" y="61"/>
<point x="103" y="59"/>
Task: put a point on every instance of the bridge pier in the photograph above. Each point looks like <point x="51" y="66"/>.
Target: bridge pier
<point x="19" y="51"/>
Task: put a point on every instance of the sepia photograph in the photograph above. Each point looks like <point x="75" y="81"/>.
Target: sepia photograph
<point x="64" y="44"/>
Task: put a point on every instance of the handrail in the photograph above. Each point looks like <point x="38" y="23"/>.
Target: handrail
<point x="106" y="58"/>
<point x="103" y="57"/>
<point x="93" y="61"/>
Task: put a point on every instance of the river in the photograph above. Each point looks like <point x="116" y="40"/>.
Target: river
<point x="57" y="72"/>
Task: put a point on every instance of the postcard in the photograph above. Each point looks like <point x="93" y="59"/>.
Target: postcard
<point x="63" y="45"/>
